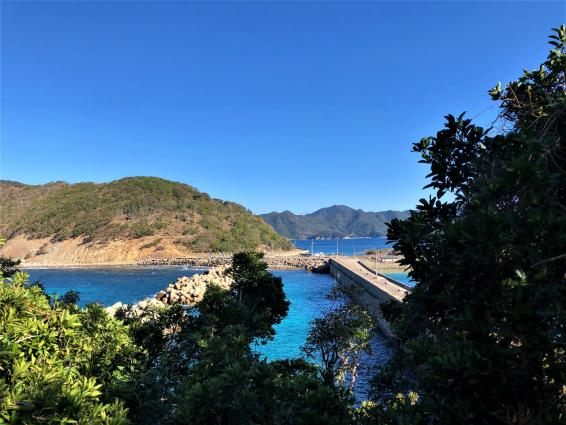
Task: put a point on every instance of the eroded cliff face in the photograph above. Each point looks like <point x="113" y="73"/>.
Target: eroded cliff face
<point x="76" y="252"/>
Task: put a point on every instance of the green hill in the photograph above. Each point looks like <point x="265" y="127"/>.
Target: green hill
<point x="132" y="208"/>
<point x="336" y="221"/>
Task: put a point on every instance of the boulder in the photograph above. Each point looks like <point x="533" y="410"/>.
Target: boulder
<point x="191" y="290"/>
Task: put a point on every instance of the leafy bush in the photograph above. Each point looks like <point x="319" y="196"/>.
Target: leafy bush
<point x="8" y="266"/>
<point x="140" y="230"/>
<point x="338" y="340"/>
<point x="58" y="366"/>
<point x="201" y="368"/>
<point x="229" y="385"/>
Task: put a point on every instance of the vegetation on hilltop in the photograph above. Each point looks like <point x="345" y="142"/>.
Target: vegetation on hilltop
<point x="131" y="208"/>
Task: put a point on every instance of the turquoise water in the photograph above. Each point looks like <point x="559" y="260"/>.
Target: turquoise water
<point x="305" y="291"/>
<point x="401" y="277"/>
<point x="107" y="286"/>
<point x="307" y="294"/>
<point x="355" y="246"/>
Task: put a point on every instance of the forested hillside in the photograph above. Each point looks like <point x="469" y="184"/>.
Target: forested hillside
<point x="159" y="211"/>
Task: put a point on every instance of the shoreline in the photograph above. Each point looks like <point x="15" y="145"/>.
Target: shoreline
<point x="194" y="259"/>
<point x="279" y="262"/>
<point x="129" y="265"/>
<point x="295" y="259"/>
<point x="283" y="261"/>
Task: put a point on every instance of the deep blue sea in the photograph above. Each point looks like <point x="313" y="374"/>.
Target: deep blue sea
<point x="354" y="246"/>
<point x="305" y="291"/>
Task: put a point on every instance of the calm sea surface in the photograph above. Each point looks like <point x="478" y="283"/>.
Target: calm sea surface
<point x="305" y="291"/>
<point x="355" y="246"/>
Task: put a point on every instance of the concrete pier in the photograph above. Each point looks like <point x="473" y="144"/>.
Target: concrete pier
<point x="371" y="288"/>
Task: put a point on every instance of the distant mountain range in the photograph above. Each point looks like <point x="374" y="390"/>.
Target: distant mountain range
<point x="337" y="221"/>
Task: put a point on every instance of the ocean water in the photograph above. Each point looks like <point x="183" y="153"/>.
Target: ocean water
<point x="305" y="291"/>
<point x="307" y="294"/>
<point x="108" y="286"/>
<point x="354" y="246"/>
<point x="401" y="277"/>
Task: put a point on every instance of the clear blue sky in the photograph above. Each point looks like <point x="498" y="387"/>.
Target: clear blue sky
<point x="296" y="105"/>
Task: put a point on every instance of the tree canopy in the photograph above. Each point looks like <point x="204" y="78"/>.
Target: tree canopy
<point x="482" y="336"/>
<point x="58" y="366"/>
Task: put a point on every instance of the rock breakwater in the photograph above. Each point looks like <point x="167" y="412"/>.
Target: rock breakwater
<point x="191" y="290"/>
<point x="311" y="264"/>
<point x="185" y="290"/>
<point x="136" y="309"/>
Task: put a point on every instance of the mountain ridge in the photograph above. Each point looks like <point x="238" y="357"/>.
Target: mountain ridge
<point x="331" y="222"/>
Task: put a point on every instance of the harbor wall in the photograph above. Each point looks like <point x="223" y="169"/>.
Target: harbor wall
<point x="368" y="294"/>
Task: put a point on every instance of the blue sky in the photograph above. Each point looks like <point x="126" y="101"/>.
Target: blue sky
<point x="295" y="105"/>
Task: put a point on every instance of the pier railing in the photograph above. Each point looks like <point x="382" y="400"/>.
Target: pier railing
<point x="370" y="290"/>
<point x="390" y="279"/>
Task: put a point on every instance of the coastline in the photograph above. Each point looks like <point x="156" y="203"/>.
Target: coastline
<point x="78" y="254"/>
<point x="291" y="261"/>
<point x="280" y="260"/>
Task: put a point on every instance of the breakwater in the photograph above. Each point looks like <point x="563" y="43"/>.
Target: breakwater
<point x="295" y="262"/>
<point x="370" y="289"/>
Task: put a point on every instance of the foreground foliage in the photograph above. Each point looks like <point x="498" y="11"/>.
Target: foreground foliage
<point x="202" y="370"/>
<point x="482" y="337"/>
<point x="173" y="365"/>
<point x="338" y="340"/>
<point x="58" y="365"/>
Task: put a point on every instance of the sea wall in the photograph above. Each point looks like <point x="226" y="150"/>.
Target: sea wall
<point x="311" y="264"/>
<point x="368" y="291"/>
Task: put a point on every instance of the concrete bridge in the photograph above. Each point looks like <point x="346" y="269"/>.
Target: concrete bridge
<point x="371" y="288"/>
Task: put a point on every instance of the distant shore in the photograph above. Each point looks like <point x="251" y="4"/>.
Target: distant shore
<point x="76" y="253"/>
<point x="292" y="260"/>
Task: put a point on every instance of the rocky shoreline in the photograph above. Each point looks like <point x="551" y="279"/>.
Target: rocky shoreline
<point x="311" y="264"/>
<point x="281" y="261"/>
